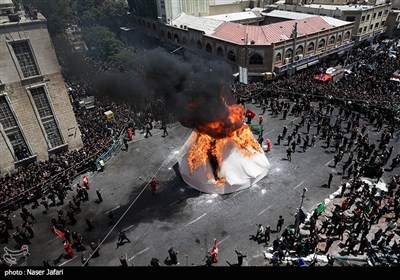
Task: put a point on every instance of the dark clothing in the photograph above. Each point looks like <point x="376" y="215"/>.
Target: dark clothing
<point x="280" y="224"/>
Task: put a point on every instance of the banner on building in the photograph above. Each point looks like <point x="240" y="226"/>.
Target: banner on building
<point x="243" y="75"/>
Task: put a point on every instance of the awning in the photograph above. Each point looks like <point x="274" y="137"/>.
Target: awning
<point x="313" y="62"/>
<point x="301" y="67"/>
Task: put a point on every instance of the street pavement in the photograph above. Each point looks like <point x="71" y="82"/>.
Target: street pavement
<point x="179" y="216"/>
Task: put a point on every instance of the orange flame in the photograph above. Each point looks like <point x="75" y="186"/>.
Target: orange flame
<point x="224" y="128"/>
<point x="203" y="145"/>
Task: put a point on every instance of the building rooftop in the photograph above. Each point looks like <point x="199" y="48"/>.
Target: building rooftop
<point x="6" y="3"/>
<point x="198" y="23"/>
<point x="287" y="15"/>
<point x="354" y="7"/>
<point x="274" y="33"/>
<point x="23" y="18"/>
<point x="236" y="16"/>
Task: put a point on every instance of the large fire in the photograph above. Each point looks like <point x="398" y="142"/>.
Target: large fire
<point x="208" y="149"/>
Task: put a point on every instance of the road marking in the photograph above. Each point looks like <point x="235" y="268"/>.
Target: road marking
<point x="224" y="239"/>
<point x="264" y="210"/>
<point x="127" y="228"/>
<point x="270" y="131"/>
<point x="68" y="261"/>
<point x="133" y="202"/>
<point x="179" y="200"/>
<point x="196" y="219"/>
<point x="299" y="185"/>
<point x="115" y="208"/>
<point x="137" y="254"/>
<point x="329" y="162"/>
<point x="237" y="193"/>
<point x="53" y="239"/>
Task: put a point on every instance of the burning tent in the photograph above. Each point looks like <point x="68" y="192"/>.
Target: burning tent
<point x="226" y="164"/>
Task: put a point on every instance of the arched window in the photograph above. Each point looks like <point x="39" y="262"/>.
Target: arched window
<point x="310" y="47"/>
<point x="208" y="48"/>
<point x="169" y="36"/>
<point x="339" y="39"/>
<point x="154" y="26"/>
<point x="256" y="59"/>
<point x="220" y="52"/>
<point x="176" y="38"/>
<point x="162" y="33"/>
<point x="199" y="45"/>
<point x="347" y="35"/>
<point x="231" y="56"/>
<point x="299" y="51"/>
<point x="278" y="58"/>
<point x="321" y="44"/>
<point x="184" y="40"/>
<point x="288" y="54"/>
<point x="331" y="40"/>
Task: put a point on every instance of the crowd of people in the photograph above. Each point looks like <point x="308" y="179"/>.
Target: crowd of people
<point x="334" y="123"/>
<point x="339" y="127"/>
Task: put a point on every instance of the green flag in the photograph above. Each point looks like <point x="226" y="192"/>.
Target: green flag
<point x="256" y="129"/>
<point x="320" y="208"/>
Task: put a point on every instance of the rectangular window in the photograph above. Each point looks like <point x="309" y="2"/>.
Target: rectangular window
<point x="12" y="130"/>
<point x="380" y="14"/>
<point x="25" y="58"/>
<point x="368" y="17"/>
<point x="374" y="16"/>
<point x="363" y="18"/>
<point x="371" y="27"/>
<point x="377" y="25"/>
<point x="43" y="107"/>
<point x="382" y="23"/>
<point x="360" y="30"/>
<point x="386" y="11"/>
<point x="350" y="19"/>
<point x="365" y="29"/>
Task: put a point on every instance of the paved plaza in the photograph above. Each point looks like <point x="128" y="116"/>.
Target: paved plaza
<point x="181" y="217"/>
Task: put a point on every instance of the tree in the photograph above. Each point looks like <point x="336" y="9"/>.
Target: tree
<point x="57" y="12"/>
<point x="111" y="13"/>
<point x="103" y="40"/>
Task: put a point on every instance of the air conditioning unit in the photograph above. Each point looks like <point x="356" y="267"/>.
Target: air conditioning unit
<point x="300" y="56"/>
<point x="287" y="60"/>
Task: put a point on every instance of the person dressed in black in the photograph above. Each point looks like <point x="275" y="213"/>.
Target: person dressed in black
<point x="124" y="260"/>
<point x="99" y="197"/>
<point x="173" y="255"/>
<point x="122" y="237"/>
<point x="126" y="143"/>
<point x="281" y="220"/>
<point x="330" y="180"/>
<point x="154" y="262"/>
<point x="164" y="128"/>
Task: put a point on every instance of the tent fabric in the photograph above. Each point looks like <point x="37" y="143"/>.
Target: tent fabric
<point x="240" y="172"/>
<point x="323" y="77"/>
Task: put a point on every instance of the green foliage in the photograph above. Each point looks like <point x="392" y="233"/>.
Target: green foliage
<point x="57" y="12"/>
<point x="103" y="40"/>
<point x="111" y="14"/>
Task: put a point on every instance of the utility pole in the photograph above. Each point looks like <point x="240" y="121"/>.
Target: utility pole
<point x="294" y="37"/>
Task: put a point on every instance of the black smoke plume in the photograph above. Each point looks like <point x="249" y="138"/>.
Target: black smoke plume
<point x="196" y="91"/>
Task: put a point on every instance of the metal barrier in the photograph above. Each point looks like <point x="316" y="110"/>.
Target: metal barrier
<point x="113" y="150"/>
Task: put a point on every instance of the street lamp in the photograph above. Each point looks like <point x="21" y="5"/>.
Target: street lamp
<point x="298" y="212"/>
